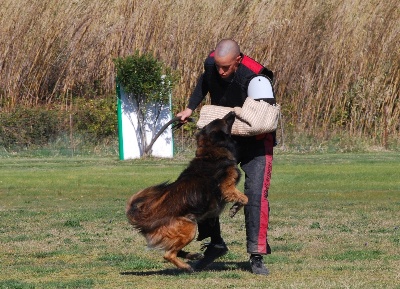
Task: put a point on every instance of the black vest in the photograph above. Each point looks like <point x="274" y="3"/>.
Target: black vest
<point x="232" y="93"/>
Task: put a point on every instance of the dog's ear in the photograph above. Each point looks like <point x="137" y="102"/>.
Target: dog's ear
<point x="229" y="120"/>
<point x="218" y="125"/>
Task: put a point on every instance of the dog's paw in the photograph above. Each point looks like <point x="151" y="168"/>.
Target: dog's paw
<point x="234" y="209"/>
<point x="243" y="199"/>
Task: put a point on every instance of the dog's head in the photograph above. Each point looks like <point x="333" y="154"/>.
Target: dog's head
<point x="217" y="132"/>
<point x="223" y="125"/>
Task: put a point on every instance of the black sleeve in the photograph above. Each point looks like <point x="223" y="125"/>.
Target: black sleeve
<point x="268" y="73"/>
<point x="198" y="93"/>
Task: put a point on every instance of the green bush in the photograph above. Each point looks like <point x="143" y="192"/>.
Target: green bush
<point x="145" y="78"/>
<point x="96" y="118"/>
<point x="24" y="127"/>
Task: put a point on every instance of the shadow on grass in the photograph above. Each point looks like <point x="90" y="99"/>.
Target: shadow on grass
<point x="216" y="266"/>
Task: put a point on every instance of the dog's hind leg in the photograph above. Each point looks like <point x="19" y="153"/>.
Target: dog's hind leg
<point x="178" y="234"/>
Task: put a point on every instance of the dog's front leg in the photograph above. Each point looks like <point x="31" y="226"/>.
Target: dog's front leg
<point x="235" y="208"/>
<point x="238" y="197"/>
<point x="228" y="187"/>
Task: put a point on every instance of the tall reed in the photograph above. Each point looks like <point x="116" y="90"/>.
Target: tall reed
<point x="337" y="63"/>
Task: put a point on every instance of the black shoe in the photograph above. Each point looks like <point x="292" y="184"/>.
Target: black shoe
<point x="212" y="252"/>
<point x="189" y="256"/>
<point x="257" y="265"/>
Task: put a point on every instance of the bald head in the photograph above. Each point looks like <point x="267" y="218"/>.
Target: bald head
<point x="227" y="48"/>
<point x="227" y="58"/>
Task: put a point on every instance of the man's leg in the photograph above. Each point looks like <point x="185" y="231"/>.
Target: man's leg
<point x="216" y="248"/>
<point x="257" y="166"/>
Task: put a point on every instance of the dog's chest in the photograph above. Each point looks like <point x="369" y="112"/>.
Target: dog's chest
<point x="214" y="209"/>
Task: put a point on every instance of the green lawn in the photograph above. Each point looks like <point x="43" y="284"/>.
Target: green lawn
<point x="334" y="223"/>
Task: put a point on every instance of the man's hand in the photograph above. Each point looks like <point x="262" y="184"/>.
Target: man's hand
<point x="185" y="114"/>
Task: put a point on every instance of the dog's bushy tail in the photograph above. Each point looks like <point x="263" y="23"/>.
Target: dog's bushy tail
<point x="133" y="209"/>
<point x="141" y="209"/>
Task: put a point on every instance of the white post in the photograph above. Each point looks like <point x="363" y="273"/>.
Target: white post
<point x="129" y="136"/>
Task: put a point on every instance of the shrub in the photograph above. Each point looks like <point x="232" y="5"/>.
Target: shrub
<point x="25" y="127"/>
<point x="96" y="118"/>
<point x="145" y="78"/>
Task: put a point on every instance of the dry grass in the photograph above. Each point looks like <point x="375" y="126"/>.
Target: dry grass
<point x="337" y="64"/>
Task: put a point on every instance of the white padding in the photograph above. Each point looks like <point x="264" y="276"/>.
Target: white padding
<point x="260" y="87"/>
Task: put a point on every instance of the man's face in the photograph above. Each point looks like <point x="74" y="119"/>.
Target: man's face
<point x="227" y="65"/>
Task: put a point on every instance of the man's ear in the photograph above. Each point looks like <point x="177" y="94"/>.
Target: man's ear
<point x="238" y="59"/>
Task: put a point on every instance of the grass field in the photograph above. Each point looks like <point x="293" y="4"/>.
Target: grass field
<point x="334" y="223"/>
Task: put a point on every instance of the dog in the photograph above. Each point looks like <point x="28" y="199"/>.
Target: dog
<point x="167" y="214"/>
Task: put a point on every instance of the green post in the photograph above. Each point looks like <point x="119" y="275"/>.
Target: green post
<point x="119" y="113"/>
<point x="171" y="114"/>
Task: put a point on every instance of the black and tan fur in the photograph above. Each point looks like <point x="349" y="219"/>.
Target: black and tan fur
<point x="167" y="214"/>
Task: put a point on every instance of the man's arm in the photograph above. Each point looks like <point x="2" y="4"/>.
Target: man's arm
<point x="198" y="94"/>
<point x="195" y="99"/>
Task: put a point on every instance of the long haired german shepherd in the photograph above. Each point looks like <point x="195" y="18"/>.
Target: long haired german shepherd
<point x="167" y="214"/>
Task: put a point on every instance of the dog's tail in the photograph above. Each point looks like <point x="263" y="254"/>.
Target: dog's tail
<point x="133" y="208"/>
<point x="142" y="208"/>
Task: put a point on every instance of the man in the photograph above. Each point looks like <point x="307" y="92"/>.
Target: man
<point x="226" y="76"/>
